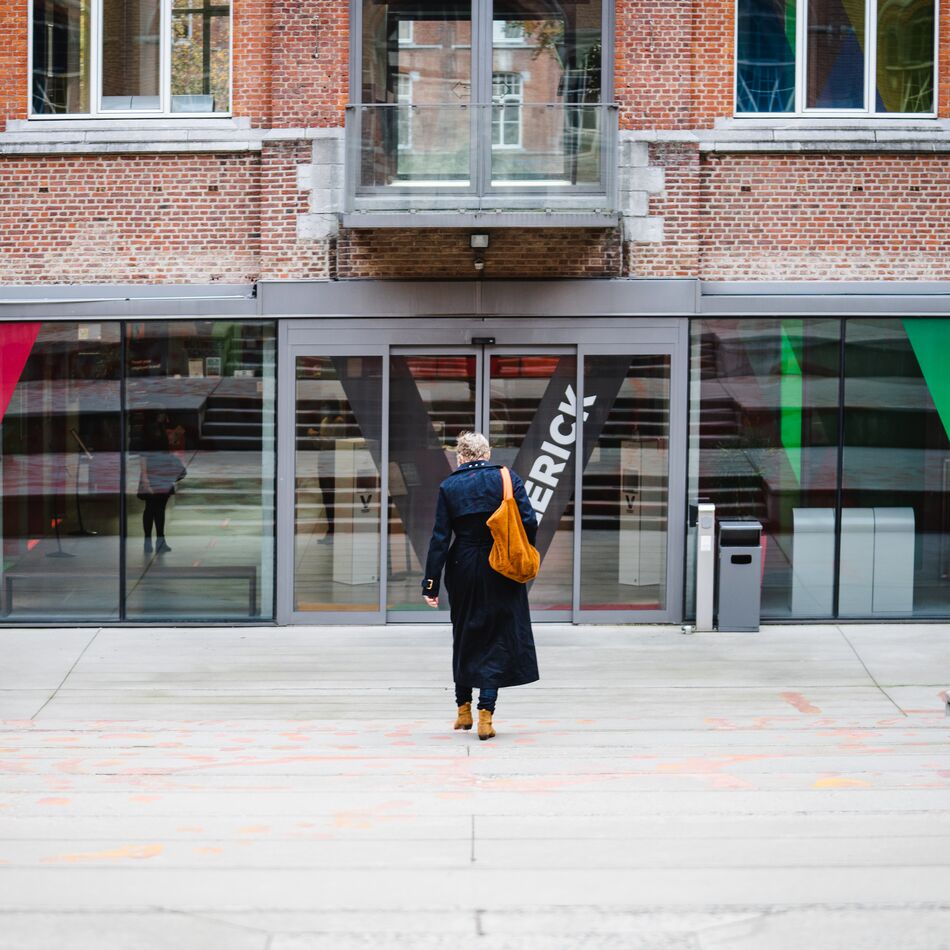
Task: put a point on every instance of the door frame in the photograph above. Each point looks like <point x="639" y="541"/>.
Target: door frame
<point x="588" y="335"/>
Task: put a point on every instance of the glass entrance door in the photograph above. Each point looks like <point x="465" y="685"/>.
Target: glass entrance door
<point x="375" y="435"/>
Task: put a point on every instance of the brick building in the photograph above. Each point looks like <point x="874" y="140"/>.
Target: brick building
<point x="295" y="247"/>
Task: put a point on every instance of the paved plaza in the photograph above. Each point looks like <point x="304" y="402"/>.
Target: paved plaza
<point x="301" y="789"/>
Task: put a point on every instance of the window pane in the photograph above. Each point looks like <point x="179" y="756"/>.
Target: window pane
<point x="626" y="482"/>
<point x="201" y="55"/>
<point x="200" y="469"/>
<point x="525" y="395"/>
<point x="431" y="402"/>
<point x="765" y="69"/>
<point x="546" y="55"/>
<point x="836" y="39"/>
<point x="426" y="47"/>
<point x="763" y="446"/>
<point x="59" y="470"/>
<point x="131" y="54"/>
<point x="896" y="520"/>
<point x="905" y="56"/>
<point x="61" y="78"/>
<point x="337" y="482"/>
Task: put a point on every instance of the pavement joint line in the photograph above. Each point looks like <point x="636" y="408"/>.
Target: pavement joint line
<point x="82" y="653"/>
<point x="888" y="696"/>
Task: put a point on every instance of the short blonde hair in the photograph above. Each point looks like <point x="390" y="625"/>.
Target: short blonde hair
<point x="472" y="447"/>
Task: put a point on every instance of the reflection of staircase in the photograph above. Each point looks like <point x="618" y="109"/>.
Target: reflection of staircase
<point x="232" y="423"/>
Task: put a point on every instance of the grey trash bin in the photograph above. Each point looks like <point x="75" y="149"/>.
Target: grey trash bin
<point x="740" y="575"/>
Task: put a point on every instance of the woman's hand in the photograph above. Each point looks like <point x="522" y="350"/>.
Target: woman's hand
<point x="431" y="601"/>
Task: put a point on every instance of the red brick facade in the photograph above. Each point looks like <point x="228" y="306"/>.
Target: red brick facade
<point x="209" y="216"/>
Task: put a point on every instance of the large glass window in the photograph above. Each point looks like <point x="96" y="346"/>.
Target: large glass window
<point x="895" y="532"/>
<point x="337" y="483"/>
<point x="132" y="56"/>
<point x="819" y="56"/>
<point x="763" y="446"/>
<point x="60" y="467"/>
<point x="517" y="79"/>
<point x="153" y="437"/>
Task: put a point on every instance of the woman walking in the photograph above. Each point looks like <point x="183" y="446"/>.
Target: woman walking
<point x="492" y="642"/>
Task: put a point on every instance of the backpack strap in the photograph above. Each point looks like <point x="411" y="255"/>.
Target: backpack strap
<point x="506" y="484"/>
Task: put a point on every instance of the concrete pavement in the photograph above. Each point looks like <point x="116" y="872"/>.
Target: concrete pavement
<point x="295" y="789"/>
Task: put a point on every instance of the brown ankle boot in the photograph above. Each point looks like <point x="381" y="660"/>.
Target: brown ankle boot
<point x="485" y="730"/>
<point x="464" y="720"/>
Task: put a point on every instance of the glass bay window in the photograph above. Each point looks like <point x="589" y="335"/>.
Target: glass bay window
<point x="505" y="95"/>
<point x="149" y="57"/>
<point x="856" y="57"/>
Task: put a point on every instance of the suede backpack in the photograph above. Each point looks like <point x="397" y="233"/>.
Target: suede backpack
<point x="512" y="555"/>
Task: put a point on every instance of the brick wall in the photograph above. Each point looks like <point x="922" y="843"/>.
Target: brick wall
<point x="446" y="255"/>
<point x="14" y="19"/>
<point x="252" y="22"/>
<point x="129" y="219"/>
<point x="800" y="217"/>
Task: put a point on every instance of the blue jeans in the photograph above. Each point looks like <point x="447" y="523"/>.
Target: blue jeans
<point x="486" y="697"/>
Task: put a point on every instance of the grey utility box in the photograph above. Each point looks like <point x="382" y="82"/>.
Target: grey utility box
<point x="740" y="574"/>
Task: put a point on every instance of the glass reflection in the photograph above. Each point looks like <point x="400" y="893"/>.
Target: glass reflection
<point x="418" y="59"/>
<point x="432" y="401"/>
<point x="525" y="392"/>
<point x="199" y="469"/>
<point x="836" y="39"/>
<point x="201" y="55"/>
<point x="763" y="446"/>
<point x="339" y="411"/>
<point x="905" y="55"/>
<point x="61" y="60"/>
<point x="765" y="55"/>
<point x="59" y="470"/>
<point x="131" y="54"/>
<point x="895" y="557"/>
<point x="626" y="483"/>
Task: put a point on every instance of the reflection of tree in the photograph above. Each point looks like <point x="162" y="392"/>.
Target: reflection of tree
<point x="583" y="74"/>
<point x="200" y="50"/>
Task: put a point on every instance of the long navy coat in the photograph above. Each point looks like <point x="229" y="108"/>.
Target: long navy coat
<point x="492" y="642"/>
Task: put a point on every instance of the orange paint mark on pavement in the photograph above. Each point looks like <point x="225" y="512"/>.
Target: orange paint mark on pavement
<point x="839" y="781"/>
<point x="54" y="801"/>
<point x="800" y="703"/>
<point x="136" y="852"/>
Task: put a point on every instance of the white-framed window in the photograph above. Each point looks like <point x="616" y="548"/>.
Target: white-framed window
<point x="836" y="57"/>
<point x="404" y="110"/>
<point x="405" y="34"/>
<point x="507" y="96"/>
<point x="509" y="33"/>
<point x="130" y="57"/>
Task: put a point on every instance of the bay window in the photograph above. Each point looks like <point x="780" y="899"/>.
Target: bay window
<point x="506" y="96"/>
<point x="149" y="57"/>
<point x="857" y="57"/>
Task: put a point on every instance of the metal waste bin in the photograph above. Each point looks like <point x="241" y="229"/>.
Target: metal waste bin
<point x="740" y="575"/>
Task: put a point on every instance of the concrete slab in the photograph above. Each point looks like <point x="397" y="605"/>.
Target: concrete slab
<point x="281" y="788"/>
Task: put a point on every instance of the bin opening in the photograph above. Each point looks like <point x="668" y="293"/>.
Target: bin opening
<point x="741" y="558"/>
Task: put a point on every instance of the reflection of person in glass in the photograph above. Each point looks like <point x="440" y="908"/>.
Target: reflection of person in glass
<point x="492" y="641"/>
<point x="161" y="470"/>
<point x="324" y="438"/>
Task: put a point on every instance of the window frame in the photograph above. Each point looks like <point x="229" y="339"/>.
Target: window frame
<point x="96" y="112"/>
<point x="801" y="111"/>
<point x="480" y="146"/>
<point x="499" y="107"/>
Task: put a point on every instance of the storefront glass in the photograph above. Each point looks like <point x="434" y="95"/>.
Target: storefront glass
<point x="60" y="470"/>
<point x="160" y="443"/>
<point x="200" y="469"/>
<point x="626" y="483"/>
<point x="895" y="533"/>
<point x="763" y="445"/>
<point x="338" y="436"/>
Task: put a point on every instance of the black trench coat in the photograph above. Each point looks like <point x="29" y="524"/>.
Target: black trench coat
<point x="492" y="642"/>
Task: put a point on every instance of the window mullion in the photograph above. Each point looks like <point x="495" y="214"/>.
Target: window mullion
<point x="801" y="55"/>
<point x="95" y="57"/>
<point x="164" y="71"/>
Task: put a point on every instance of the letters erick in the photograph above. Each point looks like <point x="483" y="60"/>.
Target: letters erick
<point x="547" y="468"/>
